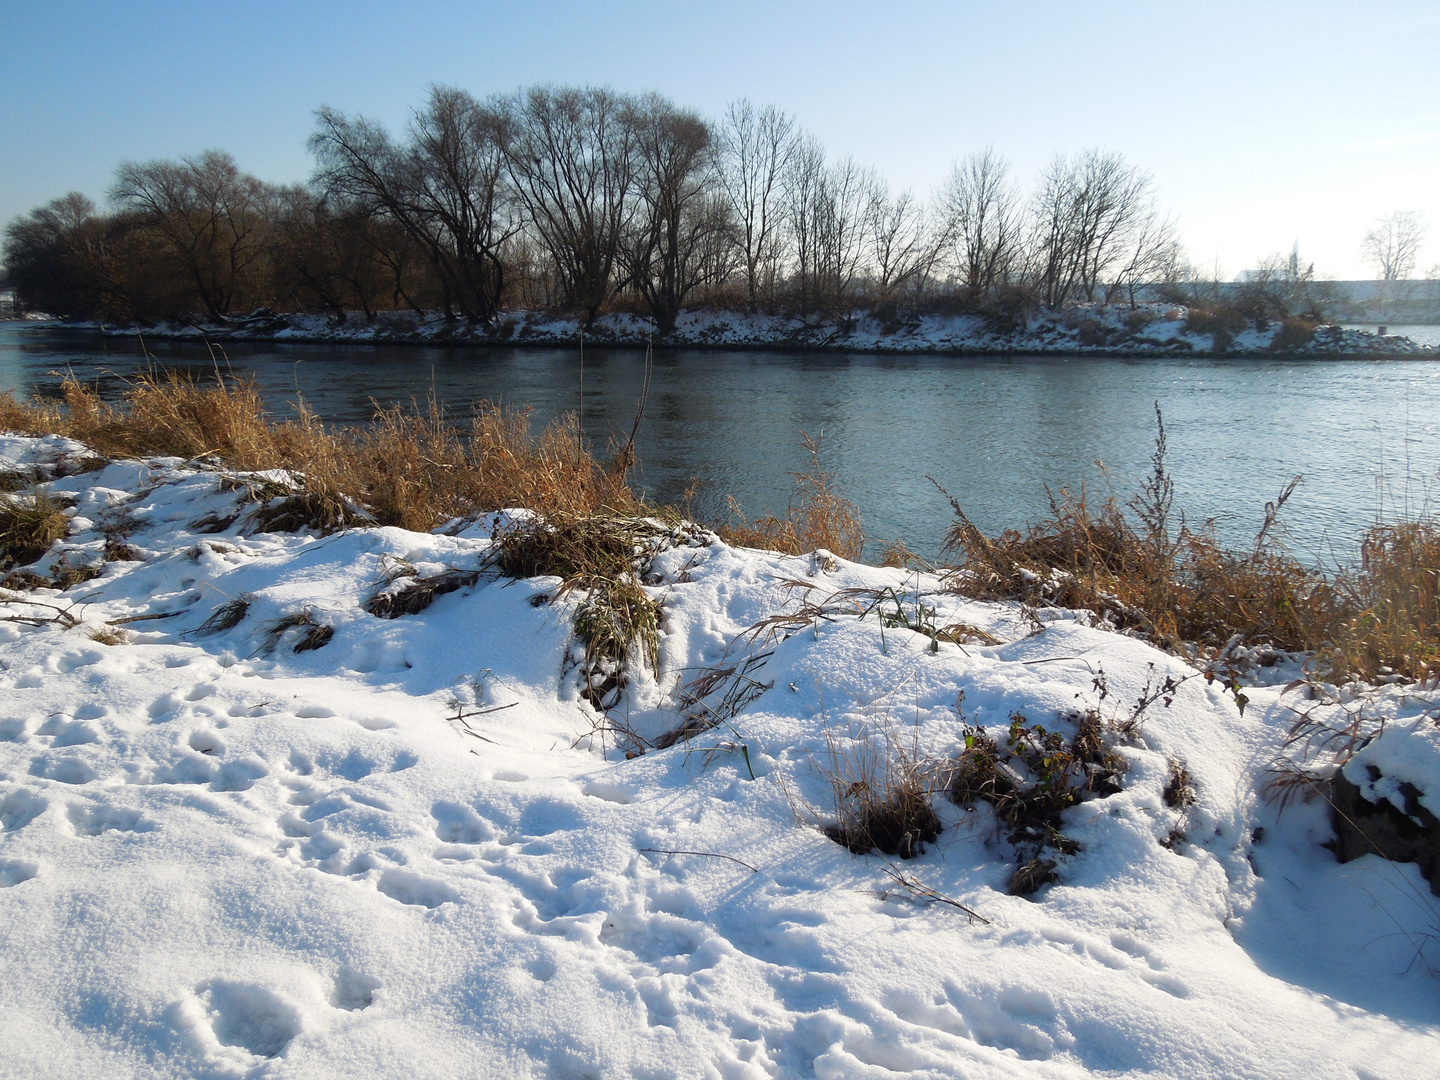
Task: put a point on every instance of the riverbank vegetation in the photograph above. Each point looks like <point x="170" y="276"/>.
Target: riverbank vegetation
<point x="1140" y="566"/>
<point x="584" y="201"/>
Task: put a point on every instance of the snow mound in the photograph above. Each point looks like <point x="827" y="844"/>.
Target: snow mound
<point x="415" y="849"/>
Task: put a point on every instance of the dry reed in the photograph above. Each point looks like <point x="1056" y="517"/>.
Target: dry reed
<point x="818" y="517"/>
<point x="412" y="468"/>
<point x="1181" y="588"/>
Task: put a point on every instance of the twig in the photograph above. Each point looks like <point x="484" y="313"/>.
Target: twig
<point x="916" y="887"/>
<point x="61" y="615"/>
<point x="706" y="854"/>
<point x="463" y="716"/>
<point x="127" y="619"/>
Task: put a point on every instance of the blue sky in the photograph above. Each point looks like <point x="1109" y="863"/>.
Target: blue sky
<point x="1263" y="123"/>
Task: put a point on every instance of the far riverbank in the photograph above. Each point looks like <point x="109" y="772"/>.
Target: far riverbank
<point x="1148" y="331"/>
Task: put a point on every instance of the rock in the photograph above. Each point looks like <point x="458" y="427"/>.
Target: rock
<point x="1363" y="827"/>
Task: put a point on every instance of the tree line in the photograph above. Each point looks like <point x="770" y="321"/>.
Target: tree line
<point x="585" y="200"/>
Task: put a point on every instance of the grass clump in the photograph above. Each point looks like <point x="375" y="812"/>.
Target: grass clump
<point x="28" y="528"/>
<point x="604" y="556"/>
<point x="883" y="785"/>
<point x="410" y="594"/>
<point x="818" y="517"/>
<point x="312" y="635"/>
<point x="227" y="616"/>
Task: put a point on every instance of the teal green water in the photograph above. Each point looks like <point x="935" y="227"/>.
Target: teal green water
<point x="1365" y="434"/>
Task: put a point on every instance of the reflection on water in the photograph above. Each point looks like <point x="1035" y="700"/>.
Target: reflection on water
<point x="994" y="432"/>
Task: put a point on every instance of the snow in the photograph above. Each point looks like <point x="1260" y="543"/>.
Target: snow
<point x="223" y="858"/>
<point x="1149" y="330"/>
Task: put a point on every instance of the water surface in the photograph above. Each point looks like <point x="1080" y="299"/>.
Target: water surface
<point x="994" y="432"/>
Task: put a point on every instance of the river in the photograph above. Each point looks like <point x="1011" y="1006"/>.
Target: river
<point x="1364" y="434"/>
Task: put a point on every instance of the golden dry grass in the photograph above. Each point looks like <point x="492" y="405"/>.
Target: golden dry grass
<point x="28" y="527"/>
<point x="819" y="516"/>
<point x="415" y="469"/>
<point x="1377" y="619"/>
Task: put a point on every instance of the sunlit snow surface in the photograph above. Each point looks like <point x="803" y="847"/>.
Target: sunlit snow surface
<point x="223" y="861"/>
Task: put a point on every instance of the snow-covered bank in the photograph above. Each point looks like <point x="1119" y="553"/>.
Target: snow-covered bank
<point x="1152" y="330"/>
<point x="224" y="857"/>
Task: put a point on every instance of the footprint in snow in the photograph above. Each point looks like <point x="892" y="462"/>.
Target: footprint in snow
<point x="63" y="731"/>
<point x="239" y="775"/>
<point x="15" y="871"/>
<point x="94" y="820"/>
<point x="354" y="991"/>
<point x="353" y="766"/>
<point x="410" y="888"/>
<point x="83" y="658"/>
<point x="457" y="824"/>
<point x="249" y="1016"/>
<point x="19" y="808"/>
<point x="67" y="770"/>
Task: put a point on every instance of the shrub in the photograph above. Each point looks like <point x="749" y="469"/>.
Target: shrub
<point x="28" y="527"/>
<point x="1213" y="320"/>
<point x="1030" y="781"/>
<point x="1292" y="334"/>
<point x="818" y="517"/>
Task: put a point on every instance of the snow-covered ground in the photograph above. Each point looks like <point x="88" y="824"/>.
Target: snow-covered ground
<point x="223" y="857"/>
<point x="1150" y="330"/>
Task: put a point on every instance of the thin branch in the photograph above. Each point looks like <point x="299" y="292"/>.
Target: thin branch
<point x="916" y="887"/>
<point x="706" y="854"/>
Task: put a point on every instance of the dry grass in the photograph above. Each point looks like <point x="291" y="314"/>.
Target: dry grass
<point x="28" y="527"/>
<point x="415" y="469"/>
<point x="603" y="556"/>
<point x="819" y="516"/>
<point x="227" y="616"/>
<point x="1389" y="620"/>
<point x="1293" y="334"/>
<point x="883" y="784"/>
<point x="410" y="594"/>
<point x="312" y="635"/>
<point x="1148" y="572"/>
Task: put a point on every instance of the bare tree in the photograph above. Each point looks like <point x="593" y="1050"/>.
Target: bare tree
<point x="209" y="215"/>
<point x="570" y="155"/>
<point x="981" y="213"/>
<point x="804" y="191"/>
<point x="828" y="224"/>
<point x="903" y="247"/>
<point x="842" y="227"/>
<point x="663" y="253"/>
<point x="444" y="187"/>
<point x="1152" y="254"/>
<point x="1393" y="245"/>
<point x="1083" y="214"/>
<point x="1283" y="287"/>
<point x="753" y="150"/>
